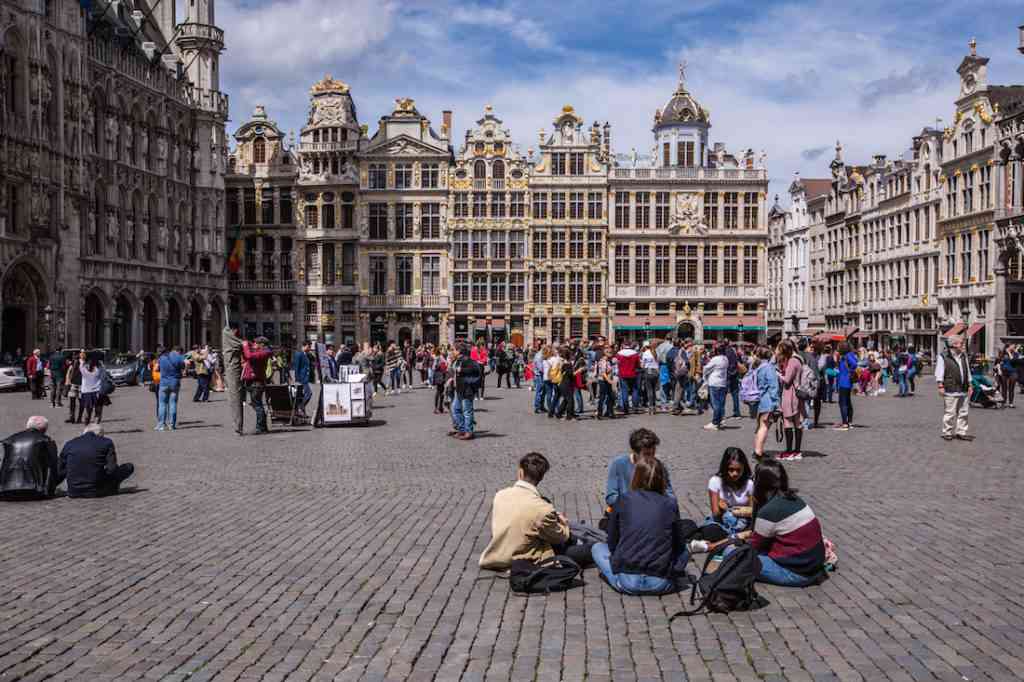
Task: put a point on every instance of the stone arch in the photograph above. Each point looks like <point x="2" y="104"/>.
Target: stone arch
<point x="14" y="61"/>
<point x="126" y="310"/>
<point x="196" y="320"/>
<point x="96" y="311"/>
<point x="174" y="326"/>
<point x="690" y="328"/>
<point x="479" y="169"/>
<point x="24" y="296"/>
<point x="215" y="321"/>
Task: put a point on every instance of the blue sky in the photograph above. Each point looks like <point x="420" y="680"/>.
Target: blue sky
<point x="787" y="77"/>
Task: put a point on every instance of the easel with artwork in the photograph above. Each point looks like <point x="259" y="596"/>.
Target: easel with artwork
<point x="346" y="401"/>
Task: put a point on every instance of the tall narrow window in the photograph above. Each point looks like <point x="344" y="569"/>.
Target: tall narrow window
<point x="378" y="176"/>
<point x="710" y="264"/>
<point x="622" y="210"/>
<point x="431" y="274"/>
<point x="540" y="205"/>
<point x="576" y="163"/>
<point x="558" y="205"/>
<point x="750" y="210"/>
<point x="711" y="210"/>
<point x="403" y="275"/>
<point x="403" y="221"/>
<point x="378" y="275"/>
<point x="595" y="205"/>
<point x="595" y="245"/>
<point x="348" y="263"/>
<point x="643" y="210"/>
<point x="259" y="150"/>
<point x="576" y="205"/>
<point x="403" y="175"/>
<point x="594" y="287"/>
<point x="540" y="287"/>
<point x="666" y="154"/>
<point x="250" y="206"/>
<point x="460" y="286"/>
<point x="661" y="264"/>
<point x="540" y="244"/>
<point x="750" y="261"/>
<point x="312" y="217"/>
<point x="558" y="163"/>
<point x="478" y="244"/>
<point x="621" y="264"/>
<point x="479" y="204"/>
<point x="285" y="198"/>
<point x="558" y="287"/>
<point x="661" y="210"/>
<point x="430" y="221"/>
<point x="575" y="287"/>
<point x="378" y="227"/>
<point x="642" y="264"/>
<point x="732" y="210"/>
<point x="576" y="245"/>
<point x="517" y="207"/>
<point x="558" y="244"/>
<point x="461" y="204"/>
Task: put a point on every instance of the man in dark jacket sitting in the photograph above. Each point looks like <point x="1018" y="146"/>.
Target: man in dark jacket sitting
<point x="90" y="462"/>
<point x="30" y="469"/>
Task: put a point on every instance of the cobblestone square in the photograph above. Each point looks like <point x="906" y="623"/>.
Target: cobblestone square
<point x="352" y="554"/>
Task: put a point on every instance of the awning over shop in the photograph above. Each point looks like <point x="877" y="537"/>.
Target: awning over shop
<point x="731" y="328"/>
<point x="498" y="323"/>
<point x="954" y="330"/>
<point x="974" y="329"/>
<point x="640" y="328"/>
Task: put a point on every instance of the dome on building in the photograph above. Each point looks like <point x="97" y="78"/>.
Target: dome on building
<point x="682" y="107"/>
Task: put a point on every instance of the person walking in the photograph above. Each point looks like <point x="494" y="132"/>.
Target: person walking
<point x="302" y="371"/>
<point x="92" y="382"/>
<point x="34" y="373"/>
<point x="953" y="377"/>
<point x="439" y="377"/>
<point x="846" y="367"/>
<point x="716" y="375"/>
<point x="766" y="379"/>
<point x="73" y="382"/>
<point x="202" y="369"/>
<point x="539" y="384"/>
<point x="482" y="357"/>
<point x="255" y="369"/>
<point x="231" y="347"/>
<point x="172" y="367"/>
<point x="58" y="366"/>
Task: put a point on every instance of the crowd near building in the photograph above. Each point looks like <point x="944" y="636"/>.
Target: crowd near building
<point x="409" y="234"/>
<point x="905" y="251"/>
<point x="112" y="158"/>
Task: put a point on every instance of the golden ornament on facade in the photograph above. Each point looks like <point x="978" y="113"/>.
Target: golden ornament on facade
<point x="979" y="108"/>
<point x="329" y="84"/>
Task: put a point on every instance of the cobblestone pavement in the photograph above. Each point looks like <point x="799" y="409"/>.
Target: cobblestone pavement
<point x="352" y="554"/>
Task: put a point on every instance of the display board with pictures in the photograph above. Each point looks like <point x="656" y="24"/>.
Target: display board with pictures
<point x="349" y="400"/>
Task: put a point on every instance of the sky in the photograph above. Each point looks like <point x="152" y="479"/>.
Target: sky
<point x="789" y="78"/>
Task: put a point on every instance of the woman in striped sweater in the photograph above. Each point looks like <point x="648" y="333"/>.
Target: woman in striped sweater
<point x="787" y="535"/>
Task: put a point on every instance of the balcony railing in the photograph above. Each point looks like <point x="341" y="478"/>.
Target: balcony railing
<point x="377" y="299"/>
<point x="498" y="183"/>
<point x="311" y="320"/>
<point x="262" y="284"/>
<point x="339" y="146"/>
<point x="690" y="173"/>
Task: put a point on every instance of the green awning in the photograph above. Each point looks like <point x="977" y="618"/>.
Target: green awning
<point x="732" y="328"/>
<point x="640" y="328"/>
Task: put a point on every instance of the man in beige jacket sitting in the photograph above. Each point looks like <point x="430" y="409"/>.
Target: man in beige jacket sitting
<point x="525" y="525"/>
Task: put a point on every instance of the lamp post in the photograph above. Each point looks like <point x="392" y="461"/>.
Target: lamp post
<point x="739" y="328"/>
<point x="965" y="316"/>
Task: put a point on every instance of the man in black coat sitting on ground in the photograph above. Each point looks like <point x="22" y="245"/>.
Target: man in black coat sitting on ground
<point x="29" y="469"/>
<point x="90" y="462"/>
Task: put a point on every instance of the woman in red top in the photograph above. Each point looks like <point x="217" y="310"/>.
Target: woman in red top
<point x="794" y="411"/>
<point x="480" y="356"/>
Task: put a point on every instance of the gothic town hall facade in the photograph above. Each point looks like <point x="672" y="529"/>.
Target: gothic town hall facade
<point x="112" y="159"/>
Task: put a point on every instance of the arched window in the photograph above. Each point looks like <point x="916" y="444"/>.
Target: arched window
<point x="12" y="67"/>
<point x="259" y="150"/>
<point x="479" y="170"/>
<point x="498" y="170"/>
<point x="96" y="245"/>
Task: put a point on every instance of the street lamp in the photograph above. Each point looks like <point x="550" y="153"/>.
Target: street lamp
<point x="739" y="328"/>
<point x="48" y="316"/>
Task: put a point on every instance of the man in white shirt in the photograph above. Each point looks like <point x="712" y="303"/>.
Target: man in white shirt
<point x="953" y="377"/>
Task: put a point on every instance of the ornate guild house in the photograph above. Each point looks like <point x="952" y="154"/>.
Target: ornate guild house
<point x="112" y="153"/>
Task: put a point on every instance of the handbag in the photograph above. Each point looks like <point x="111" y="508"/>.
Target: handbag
<point x="703" y="392"/>
<point x="106" y="384"/>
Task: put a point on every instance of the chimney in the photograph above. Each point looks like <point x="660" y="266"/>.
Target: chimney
<point x="446" y="124"/>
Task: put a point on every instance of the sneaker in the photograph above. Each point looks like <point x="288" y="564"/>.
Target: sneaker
<point x="790" y="457"/>
<point x="698" y="546"/>
<point x="711" y="427"/>
<point x="160" y="427"/>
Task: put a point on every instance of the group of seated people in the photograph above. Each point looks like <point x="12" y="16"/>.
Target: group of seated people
<point x="648" y="544"/>
<point x="32" y="470"/>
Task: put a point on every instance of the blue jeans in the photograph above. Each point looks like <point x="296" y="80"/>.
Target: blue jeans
<point x="690" y="393"/>
<point x="539" y="391"/>
<point x="734" y="391"/>
<point x="396" y="378"/>
<point x="202" y="393"/>
<point x="904" y="387"/>
<point x="167" y="412"/>
<point x="729" y="522"/>
<point x="462" y="414"/>
<point x="307" y="394"/>
<point x="717" y="394"/>
<point x="845" y="405"/>
<point x="629" y="388"/>
<point x="605" y="400"/>
<point x="633" y="583"/>
<point x="830" y="387"/>
<point x="774" y="574"/>
<point x="577" y="395"/>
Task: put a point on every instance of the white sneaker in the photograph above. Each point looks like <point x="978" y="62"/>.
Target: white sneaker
<point x="698" y="546"/>
<point x="711" y="427"/>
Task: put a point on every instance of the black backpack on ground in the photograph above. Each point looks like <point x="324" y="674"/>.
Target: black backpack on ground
<point x="555" y="574"/>
<point x="731" y="587"/>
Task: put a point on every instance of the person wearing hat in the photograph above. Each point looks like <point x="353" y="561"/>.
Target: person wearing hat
<point x="255" y="355"/>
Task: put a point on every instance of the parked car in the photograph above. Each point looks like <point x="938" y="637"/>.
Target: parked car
<point x="13" y="379"/>
<point x="124" y="369"/>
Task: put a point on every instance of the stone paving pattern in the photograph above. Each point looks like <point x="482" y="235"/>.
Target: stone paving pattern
<point x="351" y="554"/>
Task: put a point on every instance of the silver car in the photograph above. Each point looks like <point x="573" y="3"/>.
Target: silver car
<point x="12" y="379"/>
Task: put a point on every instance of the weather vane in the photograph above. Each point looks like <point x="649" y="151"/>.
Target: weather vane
<point x="682" y="75"/>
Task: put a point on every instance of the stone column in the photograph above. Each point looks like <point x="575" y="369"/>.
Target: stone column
<point x="107" y="332"/>
<point x="160" y="328"/>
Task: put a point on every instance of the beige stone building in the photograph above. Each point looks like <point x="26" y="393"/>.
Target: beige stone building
<point x="403" y="235"/>
<point x="260" y="187"/>
<point x="488" y="221"/>
<point x="687" y="233"/>
<point x="111" y="195"/>
<point x="568" y="231"/>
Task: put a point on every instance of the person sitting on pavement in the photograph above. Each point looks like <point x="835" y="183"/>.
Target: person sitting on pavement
<point x="525" y="525"/>
<point x="646" y="552"/>
<point x="642" y="443"/>
<point x="730" y="491"/>
<point x="90" y="463"/>
<point x="30" y="469"/>
<point x="787" y="535"/>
